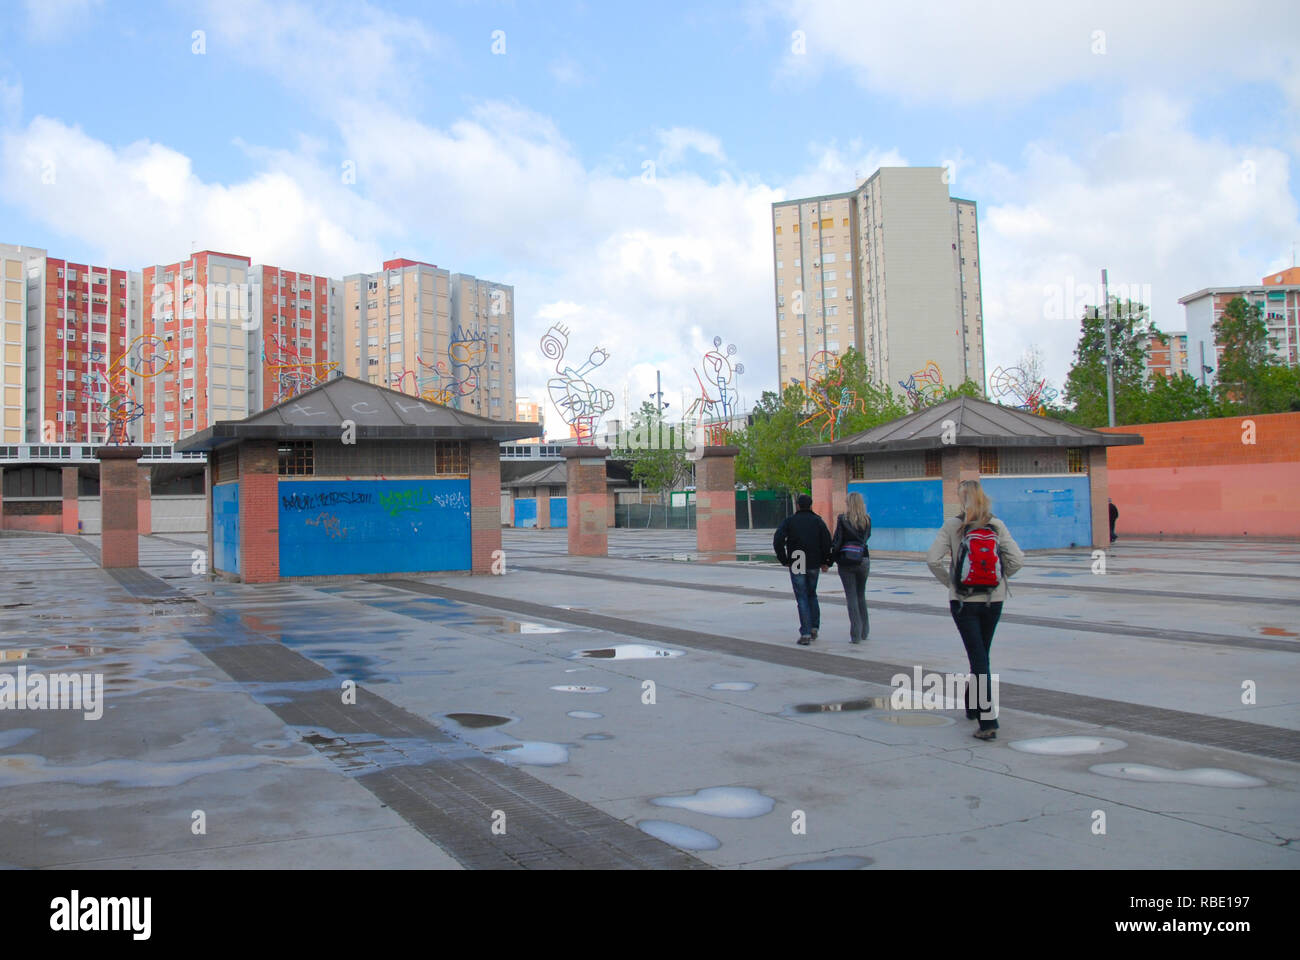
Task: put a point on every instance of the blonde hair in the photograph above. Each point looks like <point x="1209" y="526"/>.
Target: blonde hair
<point x="856" y="512"/>
<point x="975" y="503"/>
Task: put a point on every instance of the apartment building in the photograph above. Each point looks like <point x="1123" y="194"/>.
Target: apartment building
<point x="64" y="360"/>
<point x="528" y="410"/>
<point x="1166" y="356"/>
<point x="891" y="269"/>
<point x="418" y="328"/>
<point x="1277" y="296"/>
<point x="292" y="316"/>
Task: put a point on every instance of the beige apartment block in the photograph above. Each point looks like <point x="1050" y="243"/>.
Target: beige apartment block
<point x="420" y="329"/>
<point x="891" y="269"/>
<point x="13" y="342"/>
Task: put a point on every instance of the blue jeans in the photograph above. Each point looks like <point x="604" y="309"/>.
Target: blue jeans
<point x="976" y="623"/>
<point x="805" y="595"/>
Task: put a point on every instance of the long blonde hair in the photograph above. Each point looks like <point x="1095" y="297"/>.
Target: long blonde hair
<point x="975" y="504"/>
<point x="855" y="512"/>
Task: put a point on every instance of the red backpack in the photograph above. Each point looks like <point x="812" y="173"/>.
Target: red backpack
<point x="979" y="563"/>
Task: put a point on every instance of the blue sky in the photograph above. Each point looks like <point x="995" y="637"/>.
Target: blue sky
<point x="1155" y="139"/>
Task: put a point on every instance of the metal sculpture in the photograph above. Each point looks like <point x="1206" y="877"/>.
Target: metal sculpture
<point x="717" y="402"/>
<point x="580" y="402"/>
<point x="828" y="395"/>
<point x="924" y="386"/>
<point x="146" y="357"/>
<point x="1025" y="392"/>
<point x="292" y="374"/>
<point x="446" y="381"/>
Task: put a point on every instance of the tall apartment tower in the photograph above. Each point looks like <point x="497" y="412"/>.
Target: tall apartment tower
<point x="891" y="269"/>
<point x="292" y="316"/>
<point x="76" y="322"/>
<point x="420" y="329"/>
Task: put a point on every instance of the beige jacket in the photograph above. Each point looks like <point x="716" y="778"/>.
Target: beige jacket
<point x="947" y="544"/>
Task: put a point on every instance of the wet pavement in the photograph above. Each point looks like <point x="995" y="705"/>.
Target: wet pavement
<point x="649" y="710"/>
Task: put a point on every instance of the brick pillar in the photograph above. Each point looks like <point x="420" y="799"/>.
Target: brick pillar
<point x="118" y="481"/>
<point x="2" y="498"/>
<point x="259" y="511"/>
<point x="70" y="482"/>
<point x="1099" y="496"/>
<point x="144" y="507"/>
<point x="543" y="507"/>
<point x="715" y="500"/>
<point x="958" y="464"/>
<point x="208" y="488"/>
<point x="830" y="487"/>
<point x="588" y="501"/>
<point x="485" y="503"/>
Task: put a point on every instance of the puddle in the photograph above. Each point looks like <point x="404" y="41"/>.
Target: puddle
<point x="536" y="753"/>
<point x="584" y="715"/>
<point x="678" y="835"/>
<point x="10" y="606"/>
<point x="25" y="770"/>
<point x="844" y="862"/>
<point x="1067" y="746"/>
<point x="518" y="626"/>
<point x="476" y="721"/>
<point x="741" y="685"/>
<point x="870" y="703"/>
<point x="738" y="802"/>
<point x="579" y="688"/>
<point x="599" y="736"/>
<point x="916" y="719"/>
<point x="627" y="651"/>
<point x="522" y="662"/>
<point x="1197" y="777"/>
<point x="753" y="603"/>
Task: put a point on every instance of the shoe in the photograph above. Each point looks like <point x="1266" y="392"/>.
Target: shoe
<point x="855" y="641"/>
<point x="985" y="734"/>
<point x="804" y="641"/>
<point x="972" y="715"/>
<point x="814" y="634"/>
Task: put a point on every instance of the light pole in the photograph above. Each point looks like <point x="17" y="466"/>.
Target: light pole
<point x="1110" y="366"/>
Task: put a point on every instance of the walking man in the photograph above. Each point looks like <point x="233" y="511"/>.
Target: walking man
<point x="1114" y="515"/>
<point x="803" y="543"/>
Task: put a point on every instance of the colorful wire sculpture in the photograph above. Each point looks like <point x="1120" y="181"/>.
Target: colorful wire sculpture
<point x="580" y="402"/>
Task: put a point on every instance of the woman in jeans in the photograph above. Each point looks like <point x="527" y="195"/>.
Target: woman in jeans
<point x="853" y="526"/>
<point x="976" y="614"/>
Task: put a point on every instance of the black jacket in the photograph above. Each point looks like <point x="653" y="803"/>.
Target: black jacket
<point x="807" y="532"/>
<point x="845" y="532"/>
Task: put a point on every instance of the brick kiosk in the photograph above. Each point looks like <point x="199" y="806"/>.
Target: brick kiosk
<point x="352" y="479"/>
<point x="715" y="500"/>
<point x="588" y="501"/>
<point x="71" y="482"/>
<point x="1047" y="479"/>
<point x="119" y="480"/>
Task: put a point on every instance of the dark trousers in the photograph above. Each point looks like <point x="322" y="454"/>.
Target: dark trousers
<point x="805" y="595"/>
<point x="976" y="622"/>
<point x="854" y="579"/>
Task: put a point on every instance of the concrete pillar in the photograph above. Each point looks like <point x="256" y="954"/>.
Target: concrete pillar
<point x="145" y="500"/>
<point x="2" y="498"/>
<point x="588" y="497"/>
<point x="958" y="464"/>
<point x="543" y="507"/>
<point x="1099" y="495"/>
<point x="715" y="500"/>
<point x="485" y="504"/>
<point x="118" y="482"/>
<point x="259" y="511"/>
<point x="830" y="487"/>
<point x="70" y="482"/>
<point x="208" y="487"/>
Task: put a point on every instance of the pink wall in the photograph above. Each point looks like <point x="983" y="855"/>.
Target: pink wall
<point x="50" y="523"/>
<point x="1258" y="500"/>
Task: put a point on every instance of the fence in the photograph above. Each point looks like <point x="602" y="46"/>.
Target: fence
<point x="767" y="511"/>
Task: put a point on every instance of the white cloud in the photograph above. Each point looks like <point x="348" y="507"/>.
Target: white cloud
<point x="676" y="142"/>
<point x="954" y="50"/>
<point x="566" y="72"/>
<point x="52" y="19"/>
<point x="11" y="102"/>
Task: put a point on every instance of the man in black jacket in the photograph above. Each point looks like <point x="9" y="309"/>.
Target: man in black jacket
<point x="803" y="544"/>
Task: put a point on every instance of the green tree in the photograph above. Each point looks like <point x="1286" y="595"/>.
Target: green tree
<point x="1085" y="384"/>
<point x="1177" y="398"/>
<point x="769" y="447"/>
<point x="662" y="466"/>
<point x="1246" y="360"/>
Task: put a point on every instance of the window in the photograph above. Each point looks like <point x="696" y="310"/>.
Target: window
<point x="857" y="469"/>
<point x="1076" y="461"/>
<point x="828" y="258"/>
<point x="933" y="463"/>
<point x="988" y="460"/>
<point x="297" y="458"/>
<point x="828" y="275"/>
<point x="798" y="263"/>
<point x="832" y="292"/>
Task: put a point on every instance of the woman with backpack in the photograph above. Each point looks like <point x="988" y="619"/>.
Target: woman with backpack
<point x="983" y="555"/>
<point x="849" y="551"/>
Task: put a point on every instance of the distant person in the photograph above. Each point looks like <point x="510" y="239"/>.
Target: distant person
<point x="1114" y="515"/>
<point x="803" y="544"/>
<point x="853" y="561"/>
<point x="982" y="556"/>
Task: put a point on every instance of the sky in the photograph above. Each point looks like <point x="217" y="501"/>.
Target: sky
<point x="617" y="162"/>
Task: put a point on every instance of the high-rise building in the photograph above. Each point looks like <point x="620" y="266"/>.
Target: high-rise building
<point x="420" y="329"/>
<point x="1277" y="296"/>
<point x="891" y="269"/>
<point x="528" y="410"/>
<point x="66" y="362"/>
<point x="292" y="316"/>
<point x="1166" y="355"/>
